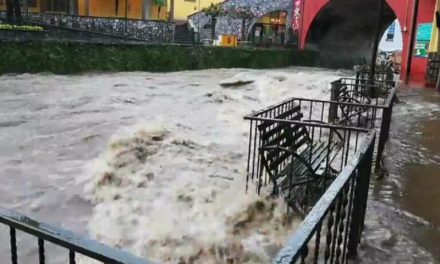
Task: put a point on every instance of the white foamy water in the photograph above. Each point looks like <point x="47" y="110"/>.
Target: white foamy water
<point x="153" y="163"/>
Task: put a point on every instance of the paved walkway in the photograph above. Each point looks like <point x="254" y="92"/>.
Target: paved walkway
<point x="403" y="218"/>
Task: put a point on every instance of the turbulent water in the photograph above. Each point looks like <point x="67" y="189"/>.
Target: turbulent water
<point x="153" y="163"/>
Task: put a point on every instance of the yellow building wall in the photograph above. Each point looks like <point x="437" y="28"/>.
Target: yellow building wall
<point x="163" y="12"/>
<point x="433" y="44"/>
<point x="184" y="8"/>
<point x="35" y="9"/>
<point x="81" y="8"/>
<point x="107" y="8"/>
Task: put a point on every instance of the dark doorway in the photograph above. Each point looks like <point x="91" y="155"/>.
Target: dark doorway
<point x="59" y="6"/>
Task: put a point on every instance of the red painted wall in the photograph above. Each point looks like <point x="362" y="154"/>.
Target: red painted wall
<point x="403" y="10"/>
<point x="426" y="15"/>
<point x="310" y="10"/>
<point x="404" y="13"/>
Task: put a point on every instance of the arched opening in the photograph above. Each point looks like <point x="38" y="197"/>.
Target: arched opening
<point x="270" y="29"/>
<point x="391" y="46"/>
<point x="392" y="39"/>
<point x="343" y="31"/>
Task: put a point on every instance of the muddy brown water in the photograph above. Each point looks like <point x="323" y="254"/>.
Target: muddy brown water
<point x="55" y="118"/>
<point x="403" y="218"/>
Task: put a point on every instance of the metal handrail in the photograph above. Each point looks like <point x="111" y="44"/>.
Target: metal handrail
<point x="297" y="242"/>
<point x="63" y="238"/>
<point x="310" y="100"/>
<point x="364" y="84"/>
<point x="307" y="123"/>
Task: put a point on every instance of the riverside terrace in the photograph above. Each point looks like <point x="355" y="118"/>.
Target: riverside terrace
<point x="334" y="199"/>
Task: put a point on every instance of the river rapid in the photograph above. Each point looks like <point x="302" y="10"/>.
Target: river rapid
<point x="156" y="164"/>
<point x="153" y="163"/>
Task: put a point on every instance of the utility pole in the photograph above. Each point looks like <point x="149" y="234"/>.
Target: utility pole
<point x="377" y="39"/>
<point x="126" y="16"/>
<point x="171" y="14"/>
<point x="412" y="40"/>
<point x="437" y="55"/>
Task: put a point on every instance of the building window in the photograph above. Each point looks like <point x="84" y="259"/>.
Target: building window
<point x="57" y="5"/>
<point x="30" y="3"/>
<point x="390" y="32"/>
<point x="270" y="29"/>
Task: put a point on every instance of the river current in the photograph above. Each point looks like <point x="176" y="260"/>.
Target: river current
<point x="152" y="163"/>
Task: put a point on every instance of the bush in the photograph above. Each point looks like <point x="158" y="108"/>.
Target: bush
<point x="20" y="27"/>
<point x="65" y="58"/>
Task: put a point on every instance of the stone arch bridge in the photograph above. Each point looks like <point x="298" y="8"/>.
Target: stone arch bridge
<point x="343" y="30"/>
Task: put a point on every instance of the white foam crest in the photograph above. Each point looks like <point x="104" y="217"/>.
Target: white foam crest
<point x="163" y="196"/>
<point x="156" y="195"/>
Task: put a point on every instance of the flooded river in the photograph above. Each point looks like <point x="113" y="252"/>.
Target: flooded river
<point x="155" y="163"/>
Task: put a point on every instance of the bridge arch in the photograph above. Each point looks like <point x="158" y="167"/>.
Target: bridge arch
<point x="343" y="30"/>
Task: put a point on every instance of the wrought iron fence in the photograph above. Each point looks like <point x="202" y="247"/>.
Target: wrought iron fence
<point x="293" y="151"/>
<point x="360" y="90"/>
<point x="433" y="66"/>
<point x="63" y="238"/>
<point x="386" y="76"/>
<point x="332" y="230"/>
<point x="375" y="110"/>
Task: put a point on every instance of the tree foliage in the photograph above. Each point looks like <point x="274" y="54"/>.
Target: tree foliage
<point x="159" y="4"/>
<point x="213" y="10"/>
<point x="240" y="12"/>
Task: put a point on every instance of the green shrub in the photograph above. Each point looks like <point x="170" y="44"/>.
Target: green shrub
<point x="66" y="58"/>
<point x="20" y="27"/>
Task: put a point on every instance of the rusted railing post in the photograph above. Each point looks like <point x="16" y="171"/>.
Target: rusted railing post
<point x="384" y="132"/>
<point x="360" y="202"/>
<point x="335" y="92"/>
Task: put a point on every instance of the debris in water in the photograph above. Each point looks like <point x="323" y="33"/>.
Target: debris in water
<point x="280" y="78"/>
<point x="235" y="83"/>
<point x="221" y="177"/>
<point x="88" y="138"/>
<point x="218" y="97"/>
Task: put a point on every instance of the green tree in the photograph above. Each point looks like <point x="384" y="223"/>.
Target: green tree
<point x="214" y="10"/>
<point x="244" y="13"/>
<point x="159" y="4"/>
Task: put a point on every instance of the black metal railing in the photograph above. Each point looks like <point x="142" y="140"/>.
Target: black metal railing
<point x="433" y="66"/>
<point x="366" y="91"/>
<point x="380" y="75"/>
<point x="376" y="111"/>
<point x="332" y="230"/>
<point x="74" y="244"/>
<point x="337" y="115"/>
<point x="325" y="148"/>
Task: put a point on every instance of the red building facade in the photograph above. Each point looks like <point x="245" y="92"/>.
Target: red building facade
<point x="403" y="11"/>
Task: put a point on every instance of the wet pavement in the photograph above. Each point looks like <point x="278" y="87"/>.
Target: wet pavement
<point x="403" y="218"/>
